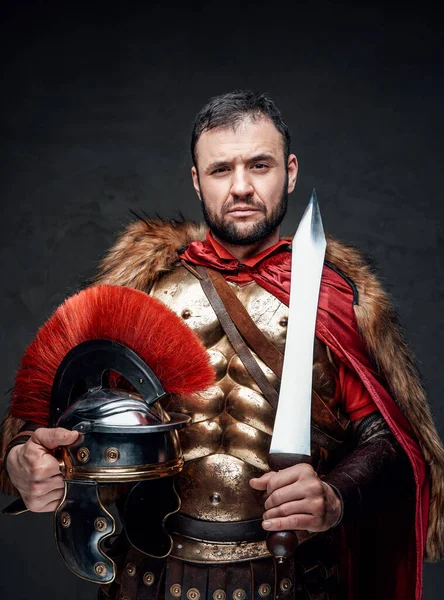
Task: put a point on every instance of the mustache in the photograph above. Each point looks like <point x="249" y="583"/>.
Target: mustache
<point x="234" y="204"/>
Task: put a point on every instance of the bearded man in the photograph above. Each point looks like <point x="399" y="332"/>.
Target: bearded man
<point x="371" y="502"/>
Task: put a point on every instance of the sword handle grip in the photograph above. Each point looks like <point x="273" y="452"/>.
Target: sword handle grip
<point x="280" y="461"/>
<point x="283" y="544"/>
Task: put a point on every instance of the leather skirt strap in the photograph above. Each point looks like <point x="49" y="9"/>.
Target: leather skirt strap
<point x="262" y="579"/>
<point x="141" y="576"/>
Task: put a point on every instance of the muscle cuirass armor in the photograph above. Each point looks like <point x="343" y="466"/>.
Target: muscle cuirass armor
<point x="229" y="437"/>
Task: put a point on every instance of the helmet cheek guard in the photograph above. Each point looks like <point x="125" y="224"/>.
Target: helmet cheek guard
<point x="125" y="437"/>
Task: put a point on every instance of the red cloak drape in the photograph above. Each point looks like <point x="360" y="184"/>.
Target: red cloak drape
<point x="382" y="555"/>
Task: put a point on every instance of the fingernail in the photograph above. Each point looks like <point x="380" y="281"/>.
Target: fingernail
<point x="267" y="524"/>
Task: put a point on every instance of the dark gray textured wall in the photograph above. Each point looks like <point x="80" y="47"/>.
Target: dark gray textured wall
<point x="97" y="106"/>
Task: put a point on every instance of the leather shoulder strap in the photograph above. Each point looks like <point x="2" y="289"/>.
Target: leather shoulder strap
<point x="235" y="337"/>
<point x="251" y="333"/>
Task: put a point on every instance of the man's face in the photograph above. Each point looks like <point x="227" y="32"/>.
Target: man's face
<point x="243" y="180"/>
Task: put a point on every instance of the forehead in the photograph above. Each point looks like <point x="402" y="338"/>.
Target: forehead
<point x="248" y="137"/>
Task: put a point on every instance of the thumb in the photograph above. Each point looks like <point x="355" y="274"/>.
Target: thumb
<point x="53" y="437"/>
<point x="260" y="483"/>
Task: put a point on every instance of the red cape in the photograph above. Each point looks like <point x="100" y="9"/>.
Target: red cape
<point x="382" y="556"/>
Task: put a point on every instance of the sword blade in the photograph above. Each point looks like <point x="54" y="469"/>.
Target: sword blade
<point x="292" y="427"/>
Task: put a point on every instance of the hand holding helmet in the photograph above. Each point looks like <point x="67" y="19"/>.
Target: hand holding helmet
<point x="35" y="472"/>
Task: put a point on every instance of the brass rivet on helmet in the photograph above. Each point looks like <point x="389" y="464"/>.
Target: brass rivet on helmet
<point x="65" y="519"/>
<point x="100" y="569"/>
<point x="130" y="569"/>
<point x="176" y="590"/>
<point x="100" y="524"/>
<point x="219" y="595"/>
<point x="239" y="594"/>
<point x="264" y="590"/>
<point x="148" y="578"/>
<point x="193" y="594"/>
<point x="112" y="455"/>
<point x="83" y="454"/>
<point x="285" y="584"/>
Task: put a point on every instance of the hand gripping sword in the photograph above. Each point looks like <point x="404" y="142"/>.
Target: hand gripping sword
<point x="290" y="442"/>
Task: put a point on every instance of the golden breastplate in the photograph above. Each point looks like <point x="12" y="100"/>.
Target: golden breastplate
<point x="228" y="440"/>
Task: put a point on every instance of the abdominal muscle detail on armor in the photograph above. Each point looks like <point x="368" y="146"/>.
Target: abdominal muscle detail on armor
<point x="228" y="440"/>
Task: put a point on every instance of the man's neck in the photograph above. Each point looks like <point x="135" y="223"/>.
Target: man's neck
<point x="244" y="252"/>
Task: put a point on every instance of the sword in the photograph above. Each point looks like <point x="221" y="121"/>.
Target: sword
<point x="290" y="442"/>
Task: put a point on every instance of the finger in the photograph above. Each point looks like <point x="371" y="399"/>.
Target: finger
<point x="51" y="438"/>
<point x="289" y="493"/>
<point x="39" y="504"/>
<point x="51" y="507"/>
<point x="307" y="487"/>
<point x="289" y="475"/>
<point x="290" y="508"/>
<point x="42" y="489"/>
<point x="32" y="454"/>
<point x="51" y="466"/>
<point x="294" y="522"/>
<point x="43" y="468"/>
<point x="260" y="483"/>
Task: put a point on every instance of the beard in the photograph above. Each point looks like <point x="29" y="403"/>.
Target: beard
<point x="240" y="235"/>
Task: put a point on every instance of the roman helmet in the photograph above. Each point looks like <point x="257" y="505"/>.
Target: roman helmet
<point x="100" y="366"/>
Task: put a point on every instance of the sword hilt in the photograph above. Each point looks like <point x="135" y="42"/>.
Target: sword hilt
<point x="283" y="544"/>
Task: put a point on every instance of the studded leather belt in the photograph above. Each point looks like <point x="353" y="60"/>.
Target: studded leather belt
<point x="233" y="531"/>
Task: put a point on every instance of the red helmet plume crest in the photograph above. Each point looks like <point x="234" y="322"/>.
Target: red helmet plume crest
<point x="121" y="314"/>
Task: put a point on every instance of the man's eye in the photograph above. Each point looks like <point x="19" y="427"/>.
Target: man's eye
<point x="260" y="166"/>
<point x="220" y="170"/>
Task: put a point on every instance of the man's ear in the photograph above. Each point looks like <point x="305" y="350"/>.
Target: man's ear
<point x="292" y="166"/>
<point x="196" y="183"/>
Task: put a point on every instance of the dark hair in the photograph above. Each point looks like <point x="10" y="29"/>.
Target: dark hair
<point x="229" y="109"/>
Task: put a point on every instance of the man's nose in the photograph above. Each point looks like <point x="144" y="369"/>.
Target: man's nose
<point x="241" y="185"/>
